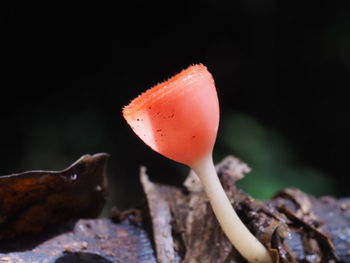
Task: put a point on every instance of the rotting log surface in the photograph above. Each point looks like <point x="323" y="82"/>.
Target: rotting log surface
<point x="294" y="226"/>
<point x="84" y="241"/>
<point x="179" y="226"/>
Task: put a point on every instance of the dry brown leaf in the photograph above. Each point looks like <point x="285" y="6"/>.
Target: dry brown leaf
<point x="33" y="200"/>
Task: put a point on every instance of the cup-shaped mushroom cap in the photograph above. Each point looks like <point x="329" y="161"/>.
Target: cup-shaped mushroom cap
<point x="178" y="118"/>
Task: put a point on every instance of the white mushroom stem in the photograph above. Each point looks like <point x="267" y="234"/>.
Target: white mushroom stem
<point x="239" y="235"/>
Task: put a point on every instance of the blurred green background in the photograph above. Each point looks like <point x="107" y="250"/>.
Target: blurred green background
<point x="281" y="70"/>
<point x="274" y="162"/>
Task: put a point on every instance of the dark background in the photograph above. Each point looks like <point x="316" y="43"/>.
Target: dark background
<point x="281" y="69"/>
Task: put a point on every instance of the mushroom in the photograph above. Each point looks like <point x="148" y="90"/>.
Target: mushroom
<point x="179" y="119"/>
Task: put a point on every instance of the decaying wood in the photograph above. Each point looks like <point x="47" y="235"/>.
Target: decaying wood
<point x="84" y="241"/>
<point x="294" y="226"/>
<point x="161" y="225"/>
